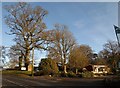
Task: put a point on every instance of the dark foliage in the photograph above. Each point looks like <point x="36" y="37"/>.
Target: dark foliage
<point x="48" y="66"/>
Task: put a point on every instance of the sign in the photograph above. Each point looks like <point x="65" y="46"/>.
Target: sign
<point x="23" y="68"/>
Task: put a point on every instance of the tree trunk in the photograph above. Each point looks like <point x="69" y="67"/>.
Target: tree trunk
<point x="76" y="71"/>
<point x="27" y="57"/>
<point x="64" y="68"/>
<point x="64" y="63"/>
<point x="20" y="62"/>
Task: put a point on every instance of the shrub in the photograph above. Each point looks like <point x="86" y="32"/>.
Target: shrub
<point x="68" y="74"/>
<point x="87" y="74"/>
<point x="71" y="74"/>
<point x="42" y="72"/>
<point x="37" y="73"/>
<point x="79" y="75"/>
<point x="62" y="74"/>
<point x="48" y="67"/>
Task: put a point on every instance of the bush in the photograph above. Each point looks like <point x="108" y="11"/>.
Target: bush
<point x="87" y="74"/>
<point x="37" y="73"/>
<point x="79" y="75"/>
<point x="62" y="74"/>
<point x="48" y="67"/>
<point x="40" y="73"/>
<point x="68" y="74"/>
<point x="71" y="74"/>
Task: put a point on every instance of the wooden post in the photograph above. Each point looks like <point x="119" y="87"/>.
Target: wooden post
<point x="32" y="72"/>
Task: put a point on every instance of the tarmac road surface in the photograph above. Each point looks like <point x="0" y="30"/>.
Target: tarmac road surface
<point x="12" y="81"/>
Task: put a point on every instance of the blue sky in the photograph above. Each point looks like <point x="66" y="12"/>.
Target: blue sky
<point x="91" y="23"/>
<point x="60" y="0"/>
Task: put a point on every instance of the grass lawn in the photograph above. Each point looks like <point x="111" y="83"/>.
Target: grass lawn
<point x="16" y="72"/>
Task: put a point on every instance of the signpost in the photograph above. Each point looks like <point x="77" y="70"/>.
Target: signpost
<point x="117" y="31"/>
<point x="32" y="62"/>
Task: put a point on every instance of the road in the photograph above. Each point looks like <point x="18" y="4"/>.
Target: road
<point x="12" y="81"/>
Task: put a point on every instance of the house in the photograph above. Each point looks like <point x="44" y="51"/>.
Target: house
<point x="97" y="69"/>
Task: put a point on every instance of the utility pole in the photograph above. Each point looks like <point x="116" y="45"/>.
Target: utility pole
<point x="32" y="72"/>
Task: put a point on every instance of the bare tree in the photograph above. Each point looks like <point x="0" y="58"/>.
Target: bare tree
<point x="62" y="43"/>
<point x="111" y="46"/>
<point x="2" y="55"/>
<point x="16" y="55"/>
<point x="110" y="53"/>
<point x="27" y="25"/>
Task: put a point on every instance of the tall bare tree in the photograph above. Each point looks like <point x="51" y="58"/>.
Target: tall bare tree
<point x="16" y="55"/>
<point x="62" y="43"/>
<point x="2" y="55"/>
<point x="111" y="53"/>
<point x="27" y="25"/>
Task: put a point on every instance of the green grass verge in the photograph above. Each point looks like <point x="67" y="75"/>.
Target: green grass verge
<point x="16" y="72"/>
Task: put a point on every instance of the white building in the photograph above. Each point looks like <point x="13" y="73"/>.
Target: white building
<point x="97" y="69"/>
